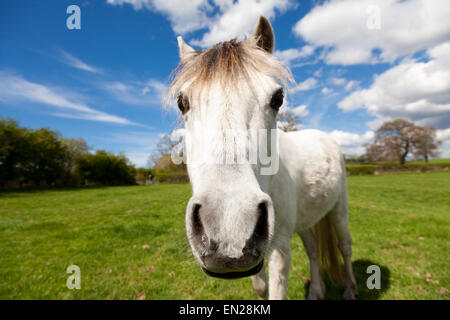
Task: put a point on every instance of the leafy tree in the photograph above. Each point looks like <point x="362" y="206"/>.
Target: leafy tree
<point x="76" y="148"/>
<point x="106" y="168"/>
<point x="12" y="147"/>
<point x="30" y="156"/>
<point x="45" y="157"/>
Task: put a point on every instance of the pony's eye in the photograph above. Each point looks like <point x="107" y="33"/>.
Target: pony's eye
<point x="277" y="99"/>
<point x="183" y="103"/>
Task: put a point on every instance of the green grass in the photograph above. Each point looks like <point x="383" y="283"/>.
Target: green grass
<point x="432" y="161"/>
<point x="130" y="242"/>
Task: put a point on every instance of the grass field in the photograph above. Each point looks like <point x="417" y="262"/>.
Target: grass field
<point x="130" y="242"/>
<point x="432" y="161"/>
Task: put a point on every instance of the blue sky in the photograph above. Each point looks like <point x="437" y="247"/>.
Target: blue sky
<point x="356" y="65"/>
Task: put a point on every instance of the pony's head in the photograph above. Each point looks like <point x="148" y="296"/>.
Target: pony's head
<point x="229" y="96"/>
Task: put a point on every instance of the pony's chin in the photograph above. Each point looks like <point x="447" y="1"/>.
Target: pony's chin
<point x="235" y="274"/>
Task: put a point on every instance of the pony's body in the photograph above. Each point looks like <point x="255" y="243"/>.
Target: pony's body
<point x="308" y="186"/>
<point x="314" y="179"/>
<point x="241" y="213"/>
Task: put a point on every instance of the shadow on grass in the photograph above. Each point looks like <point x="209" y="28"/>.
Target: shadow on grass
<point x="336" y="292"/>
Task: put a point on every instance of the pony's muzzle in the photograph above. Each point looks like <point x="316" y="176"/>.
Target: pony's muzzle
<point x="214" y="254"/>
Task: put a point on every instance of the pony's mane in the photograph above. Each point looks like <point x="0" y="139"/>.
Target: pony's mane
<point x="226" y="62"/>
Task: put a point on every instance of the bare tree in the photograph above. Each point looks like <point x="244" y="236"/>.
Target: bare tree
<point x="288" y="121"/>
<point x="164" y="147"/>
<point x="375" y="152"/>
<point x="396" y="137"/>
<point x="425" y="143"/>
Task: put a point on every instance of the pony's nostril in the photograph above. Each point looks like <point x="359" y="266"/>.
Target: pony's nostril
<point x="262" y="229"/>
<point x="255" y="244"/>
<point x="197" y="226"/>
<point x="209" y="245"/>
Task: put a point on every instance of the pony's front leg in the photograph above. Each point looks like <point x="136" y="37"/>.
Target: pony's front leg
<point x="279" y="264"/>
<point x="260" y="283"/>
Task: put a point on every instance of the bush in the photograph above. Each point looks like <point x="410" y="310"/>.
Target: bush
<point x="171" y="176"/>
<point x="143" y="174"/>
<point x="167" y="171"/>
<point x="385" y="167"/>
<point x="105" y="168"/>
<point x="361" y="169"/>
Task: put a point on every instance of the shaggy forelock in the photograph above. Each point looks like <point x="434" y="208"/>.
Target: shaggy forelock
<point x="226" y="62"/>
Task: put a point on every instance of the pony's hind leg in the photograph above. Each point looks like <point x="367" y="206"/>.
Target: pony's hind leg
<point x="317" y="287"/>
<point x="259" y="281"/>
<point x="339" y="219"/>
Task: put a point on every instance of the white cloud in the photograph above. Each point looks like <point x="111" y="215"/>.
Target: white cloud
<point x="184" y="16"/>
<point x="444" y="136"/>
<point x="351" y="84"/>
<point x="337" y="81"/>
<point x="345" y="29"/>
<point x="77" y="63"/>
<point x="289" y="55"/>
<point x="237" y="19"/>
<point x="318" y="73"/>
<point x="305" y="85"/>
<point x="14" y="88"/>
<point x="300" y="111"/>
<point x="224" y="19"/>
<point x="415" y="90"/>
<point x="326" y="91"/>
<point x="136" y="92"/>
<point x="352" y="143"/>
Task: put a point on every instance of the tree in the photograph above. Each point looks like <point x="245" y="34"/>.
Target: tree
<point x="30" y="156"/>
<point x="164" y="147"/>
<point x="106" y="168"/>
<point x="12" y="147"/>
<point x="45" y="157"/>
<point x="375" y="152"/>
<point x="398" y="138"/>
<point x="76" y="148"/>
<point x="425" y="143"/>
<point x="288" y="121"/>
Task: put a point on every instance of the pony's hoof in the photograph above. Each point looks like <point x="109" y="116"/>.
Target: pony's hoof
<point x="316" y="295"/>
<point x="312" y="296"/>
<point x="350" y="293"/>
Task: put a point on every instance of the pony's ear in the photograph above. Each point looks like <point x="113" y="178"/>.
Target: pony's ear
<point x="185" y="50"/>
<point x="263" y="34"/>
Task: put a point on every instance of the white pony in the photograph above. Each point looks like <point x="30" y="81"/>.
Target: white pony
<point x="237" y="215"/>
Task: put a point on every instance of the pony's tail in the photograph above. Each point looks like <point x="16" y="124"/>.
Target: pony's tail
<point x="328" y="249"/>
